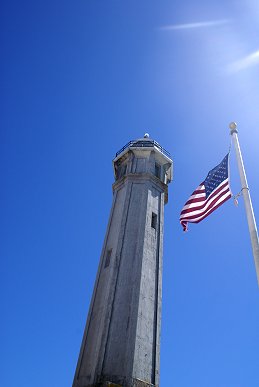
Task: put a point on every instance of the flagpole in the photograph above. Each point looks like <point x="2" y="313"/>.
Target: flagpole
<point x="248" y="204"/>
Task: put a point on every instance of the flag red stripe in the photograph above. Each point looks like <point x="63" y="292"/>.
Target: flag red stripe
<point x="198" y="191"/>
<point x="213" y="209"/>
<point x="184" y="223"/>
<point x="209" y="197"/>
<point x="219" y="189"/>
<point x="196" y="208"/>
<point x="201" y="213"/>
<point x="196" y="218"/>
<point x="195" y="200"/>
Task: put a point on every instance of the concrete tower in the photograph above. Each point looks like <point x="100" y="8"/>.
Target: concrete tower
<point x="121" y="343"/>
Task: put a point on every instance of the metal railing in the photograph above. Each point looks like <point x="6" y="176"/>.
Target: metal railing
<point x="144" y="144"/>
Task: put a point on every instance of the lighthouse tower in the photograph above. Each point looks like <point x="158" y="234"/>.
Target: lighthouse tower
<point x="121" y="342"/>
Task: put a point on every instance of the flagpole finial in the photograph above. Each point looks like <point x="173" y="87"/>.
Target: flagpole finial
<point x="233" y="127"/>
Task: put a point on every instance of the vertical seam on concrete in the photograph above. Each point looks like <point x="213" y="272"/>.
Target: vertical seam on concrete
<point x="116" y="282"/>
<point x="95" y="290"/>
<point x="154" y="360"/>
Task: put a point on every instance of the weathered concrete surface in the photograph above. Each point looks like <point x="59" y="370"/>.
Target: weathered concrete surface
<point x="134" y="383"/>
<point x="121" y="343"/>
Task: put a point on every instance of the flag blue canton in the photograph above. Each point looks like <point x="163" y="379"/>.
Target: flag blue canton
<point x="216" y="176"/>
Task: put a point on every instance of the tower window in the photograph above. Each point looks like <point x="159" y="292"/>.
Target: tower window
<point x="154" y="220"/>
<point x="121" y="170"/>
<point x="157" y="170"/>
<point x="108" y="258"/>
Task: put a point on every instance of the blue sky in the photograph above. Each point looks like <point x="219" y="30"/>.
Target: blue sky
<point x="78" y="81"/>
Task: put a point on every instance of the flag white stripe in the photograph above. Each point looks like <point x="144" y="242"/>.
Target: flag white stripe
<point x="202" y="211"/>
<point x="186" y="217"/>
<point x="201" y="188"/>
<point x="208" y="202"/>
<point x="198" y="206"/>
<point x="200" y="195"/>
<point x="220" y="185"/>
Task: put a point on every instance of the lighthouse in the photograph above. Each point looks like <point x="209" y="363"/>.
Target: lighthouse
<point x="121" y="342"/>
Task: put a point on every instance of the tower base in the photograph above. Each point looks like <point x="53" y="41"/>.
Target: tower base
<point x="132" y="383"/>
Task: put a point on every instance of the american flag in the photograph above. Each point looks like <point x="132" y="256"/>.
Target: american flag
<point x="208" y="196"/>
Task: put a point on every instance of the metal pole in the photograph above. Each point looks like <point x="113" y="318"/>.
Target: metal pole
<point x="248" y="204"/>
